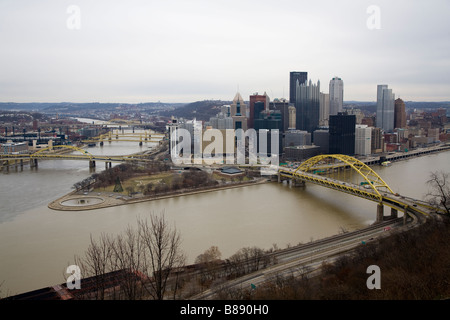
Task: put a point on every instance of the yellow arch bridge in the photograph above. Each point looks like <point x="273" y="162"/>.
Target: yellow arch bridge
<point x="372" y="187"/>
<point x="50" y="153"/>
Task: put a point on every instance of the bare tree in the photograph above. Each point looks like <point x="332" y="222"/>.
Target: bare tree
<point x="162" y="249"/>
<point x="96" y="264"/>
<point x="209" y="262"/>
<point x="440" y="190"/>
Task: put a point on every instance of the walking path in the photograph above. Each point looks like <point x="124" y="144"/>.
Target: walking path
<point x="80" y="201"/>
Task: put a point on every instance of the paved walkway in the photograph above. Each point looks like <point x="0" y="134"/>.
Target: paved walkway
<point x="111" y="199"/>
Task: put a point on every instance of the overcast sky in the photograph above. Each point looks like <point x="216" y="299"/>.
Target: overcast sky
<point x="182" y="51"/>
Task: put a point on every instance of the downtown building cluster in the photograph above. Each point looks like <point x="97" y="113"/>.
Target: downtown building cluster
<point x="312" y="122"/>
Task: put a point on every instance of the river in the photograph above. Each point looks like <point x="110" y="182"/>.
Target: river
<point x="37" y="243"/>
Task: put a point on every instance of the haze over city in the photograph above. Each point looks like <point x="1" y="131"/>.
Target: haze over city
<point x="179" y="51"/>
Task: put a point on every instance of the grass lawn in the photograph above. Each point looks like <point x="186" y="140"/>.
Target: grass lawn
<point x="139" y="180"/>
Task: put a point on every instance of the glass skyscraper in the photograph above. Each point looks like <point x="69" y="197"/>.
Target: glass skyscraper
<point x="307" y="106"/>
<point x="294" y="77"/>
<point x="336" y="95"/>
<point x="385" y="108"/>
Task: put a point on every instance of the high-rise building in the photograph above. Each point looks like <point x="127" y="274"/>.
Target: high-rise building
<point x="269" y="121"/>
<point x="222" y="120"/>
<point x="292" y="117"/>
<point x="363" y="140"/>
<point x="336" y="95"/>
<point x="324" y="109"/>
<point x="295" y="138"/>
<point x="400" y="114"/>
<point x="342" y="134"/>
<point x="296" y="76"/>
<point x="385" y="108"/>
<point x="238" y="112"/>
<point x="321" y="138"/>
<point x="282" y="105"/>
<point x="253" y="99"/>
<point x="307" y="106"/>
<point x="377" y="140"/>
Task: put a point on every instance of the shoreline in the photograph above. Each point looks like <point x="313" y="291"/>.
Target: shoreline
<point x="113" y="201"/>
<point x="109" y="199"/>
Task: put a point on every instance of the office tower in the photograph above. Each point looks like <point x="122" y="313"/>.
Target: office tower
<point x="400" y="114"/>
<point x="294" y="138"/>
<point x="307" y="106"/>
<point x="222" y="120"/>
<point x="377" y="140"/>
<point x="238" y="112"/>
<point x="336" y="95"/>
<point x="296" y="76"/>
<point x="321" y="138"/>
<point x="254" y="99"/>
<point x="324" y="109"/>
<point x="282" y="105"/>
<point x="342" y="134"/>
<point x="363" y="140"/>
<point x="292" y="117"/>
<point x="270" y="120"/>
<point x="385" y="108"/>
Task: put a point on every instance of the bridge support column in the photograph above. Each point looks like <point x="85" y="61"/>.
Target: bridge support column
<point x="405" y="215"/>
<point x="107" y="165"/>
<point x="380" y="212"/>
<point x="394" y="213"/>
<point x="279" y="177"/>
<point x="91" y="164"/>
<point x="296" y="183"/>
<point x="101" y="143"/>
<point x="33" y="162"/>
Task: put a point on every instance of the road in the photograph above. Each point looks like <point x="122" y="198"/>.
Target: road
<point x="308" y="258"/>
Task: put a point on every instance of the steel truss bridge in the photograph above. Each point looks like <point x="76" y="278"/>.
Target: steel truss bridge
<point x="8" y="159"/>
<point x="372" y="186"/>
<point x="140" y="137"/>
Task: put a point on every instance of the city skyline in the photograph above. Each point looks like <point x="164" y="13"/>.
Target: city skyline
<point x="107" y="51"/>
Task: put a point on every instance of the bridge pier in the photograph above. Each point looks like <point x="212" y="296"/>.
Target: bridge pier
<point x="296" y="183"/>
<point x="33" y="163"/>
<point x="91" y="164"/>
<point x="380" y="212"/>
<point x="107" y="165"/>
<point x="405" y="215"/>
<point x="394" y="213"/>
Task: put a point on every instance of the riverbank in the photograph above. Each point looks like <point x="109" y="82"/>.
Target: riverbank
<point x="81" y="201"/>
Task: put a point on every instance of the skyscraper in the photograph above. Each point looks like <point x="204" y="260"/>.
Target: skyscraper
<point x="385" y="108"/>
<point x="295" y="76"/>
<point x="363" y="140"/>
<point x="238" y="112"/>
<point x="307" y="106"/>
<point x="336" y="95"/>
<point x="292" y="118"/>
<point x="400" y="114"/>
<point x="253" y="99"/>
<point x="324" y="109"/>
<point x="342" y="134"/>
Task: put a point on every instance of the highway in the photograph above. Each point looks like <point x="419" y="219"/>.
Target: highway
<point x="308" y="258"/>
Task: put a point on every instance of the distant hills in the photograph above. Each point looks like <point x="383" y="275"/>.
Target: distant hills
<point x="201" y="110"/>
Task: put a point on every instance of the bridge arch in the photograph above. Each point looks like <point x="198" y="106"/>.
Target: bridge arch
<point x="41" y="151"/>
<point x="369" y="175"/>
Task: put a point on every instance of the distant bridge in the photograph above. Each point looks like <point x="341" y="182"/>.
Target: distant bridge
<point x="8" y="159"/>
<point x="140" y="137"/>
<point x="373" y="187"/>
